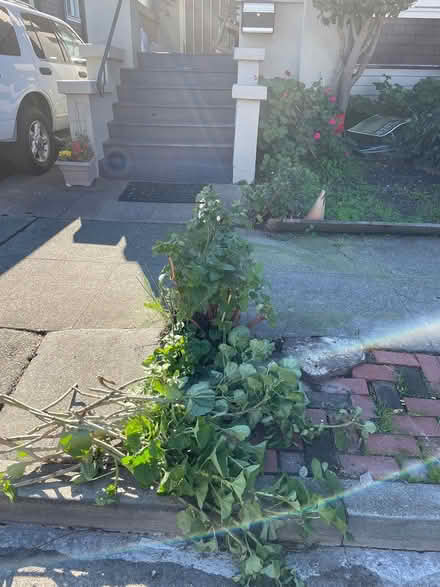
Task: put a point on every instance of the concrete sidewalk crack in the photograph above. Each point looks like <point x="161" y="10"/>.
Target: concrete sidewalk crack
<point x="22" y="229"/>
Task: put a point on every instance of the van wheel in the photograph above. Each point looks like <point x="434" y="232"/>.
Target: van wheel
<point x="36" y="149"/>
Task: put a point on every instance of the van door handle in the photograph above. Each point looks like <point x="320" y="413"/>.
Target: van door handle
<point x="82" y="73"/>
<point x="45" y="71"/>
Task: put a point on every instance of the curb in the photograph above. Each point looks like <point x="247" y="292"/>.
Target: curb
<point x="390" y="515"/>
<point x="333" y="226"/>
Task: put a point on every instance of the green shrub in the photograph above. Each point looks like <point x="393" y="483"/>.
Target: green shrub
<point x="291" y="192"/>
<point x="212" y="269"/>
<point x="299" y="123"/>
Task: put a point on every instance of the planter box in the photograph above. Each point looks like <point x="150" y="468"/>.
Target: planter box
<point x="351" y="227"/>
<point x="82" y="173"/>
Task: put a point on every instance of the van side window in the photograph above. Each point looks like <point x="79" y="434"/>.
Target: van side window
<point x="71" y="42"/>
<point x="43" y="38"/>
<point x="8" y="39"/>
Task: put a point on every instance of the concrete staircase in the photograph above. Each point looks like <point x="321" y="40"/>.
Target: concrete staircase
<point x="174" y="121"/>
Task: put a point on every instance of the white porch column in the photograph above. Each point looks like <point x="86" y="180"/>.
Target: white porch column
<point x="89" y="112"/>
<point x="248" y="94"/>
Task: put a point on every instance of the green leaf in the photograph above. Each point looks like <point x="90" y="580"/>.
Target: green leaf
<point x="254" y="383"/>
<point x="251" y="512"/>
<point x="239" y="337"/>
<point x="340" y="439"/>
<point x="232" y="371"/>
<point x="184" y="521"/>
<point x="203" y="432"/>
<point x="144" y="466"/>
<point x="239" y="485"/>
<point x="253" y="565"/>
<point x="200" y="399"/>
<point x="247" y="370"/>
<point x="254" y="417"/>
<point x="89" y="470"/>
<point x="221" y="406"/>
<point x="333" y="483"/>
<point x="15" y="471"/>
<point x="213" y="458"/>
<point x="76" y="443"/>
<point x="7" y="488"/>
<point x="201" y="491"/>
<point x="273" y="571"/>
<point x="226" y="503"/>
<point x="239" y="433"/>
<point x="288" y="376"/>
<point x="21" y="454"/>
<point x="369" y="427"/>
<point x="327" y="514"/>
<point x="317" y="469"/>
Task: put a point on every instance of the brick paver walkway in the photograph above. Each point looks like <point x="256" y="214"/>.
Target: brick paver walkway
<point x="400" y="392"/>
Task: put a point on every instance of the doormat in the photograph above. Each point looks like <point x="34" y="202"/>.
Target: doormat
<point x="161" y="193"/>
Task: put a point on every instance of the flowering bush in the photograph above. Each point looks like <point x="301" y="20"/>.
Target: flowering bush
<point x="300" y="123"/>
<point x="78" y="149"/>
<point x="289" y="193"/>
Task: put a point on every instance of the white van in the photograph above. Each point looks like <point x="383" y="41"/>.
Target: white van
<point x="36" y="50"/>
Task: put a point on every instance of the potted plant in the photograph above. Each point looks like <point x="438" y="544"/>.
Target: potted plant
<point x="77" y="162"/>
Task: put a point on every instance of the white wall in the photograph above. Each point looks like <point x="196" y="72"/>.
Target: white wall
<point x="284" y="45"/>
<point x="320" y="48"/>
<point x="299" y="44"/>
<point x="405" y="77"/>
<point x="99" y="19"/>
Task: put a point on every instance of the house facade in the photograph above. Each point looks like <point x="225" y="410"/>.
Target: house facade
<point x="72" y="11"/>
<point x="182" y="91"/>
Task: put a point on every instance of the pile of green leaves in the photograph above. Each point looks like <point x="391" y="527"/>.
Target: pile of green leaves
<point x="300" y="123"/>
<point x="290" y="193"/>
<point x="211" y="267"/>
<point x="200" y="443"/>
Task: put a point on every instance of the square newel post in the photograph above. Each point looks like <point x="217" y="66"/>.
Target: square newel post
<point x="115" y="60"/>
<point x="248" y="94"/>
<point x="89" y="112"/>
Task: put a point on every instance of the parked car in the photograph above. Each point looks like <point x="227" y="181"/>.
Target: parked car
<point x="36" y="50"/>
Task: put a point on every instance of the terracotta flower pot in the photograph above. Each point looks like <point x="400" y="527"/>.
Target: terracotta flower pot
<point x="318" y="210"/>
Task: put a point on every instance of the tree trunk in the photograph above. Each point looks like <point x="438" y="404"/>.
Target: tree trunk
<point x="357" y="58"/>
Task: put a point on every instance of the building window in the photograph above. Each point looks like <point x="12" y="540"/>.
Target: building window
<point x="72" y="10"/>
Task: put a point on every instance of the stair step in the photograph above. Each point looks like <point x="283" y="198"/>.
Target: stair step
<point x="130" y="112"/>
<point x="174" y="163"/>
<point x="169" y="133"/>
<point x="175" y="78"/>
<point x="173" y="61"/>
<point x="176" y="96"/>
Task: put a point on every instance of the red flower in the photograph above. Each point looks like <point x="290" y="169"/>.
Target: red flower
<point x="328" y="91"/>
<point x="285" y="94"/>
<point x="332" y="99"/>
<point x="332" y="122"/>
<point x="317" y="135"/>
